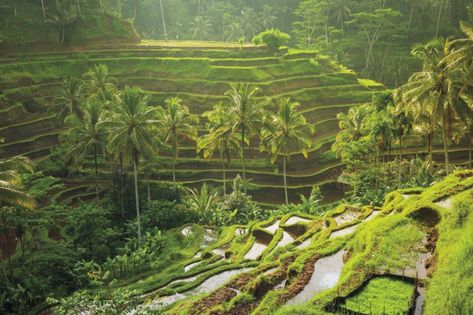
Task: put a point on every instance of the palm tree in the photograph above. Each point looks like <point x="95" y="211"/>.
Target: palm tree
<point x="65" y="13"/>
<point x="246" y="114"/>
<point x="44" y="11"/>
<point x="130" y="128"/>
<point x="233" y="32"/>
<point x="464" y="131"/>
<point x="177" y="124"/>
<point x="439" y="89"/>
<point x="220" y="138"/>
<point x="340" y="12"/>
<point x="70" y="99"/>
<point x="200" y="28"/>
<point x="267" y="16"/>
<point x="11" y="191"/>
<point x="250" y="22"/>
<point x="287" y="130"/>
<point x="85" y="134"/>
<point x="97" y="83"/>
<point x="352" y="127"/>
<point x="403" y="125"/>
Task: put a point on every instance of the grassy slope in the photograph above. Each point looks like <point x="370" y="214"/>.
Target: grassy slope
<point x="390" y="243"/>
<point x="200" y="74"/>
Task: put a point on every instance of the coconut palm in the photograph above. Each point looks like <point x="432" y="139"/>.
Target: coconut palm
<point x="66" y="13"/>
<point x="285" y="131"/>
<point x="246" y="114"/>
<point x="70" y="99"/>
<point x="250" y="22"/>
<point x="220" y="138"/>
<point x="176" y="125"/>
<point x="130" y="128"/>
<point x="233" y="32"/>
<point x="11" y="190"/>
<point x="340" y="12"/>
<point x="267" y="16"/>
<point x="352" y="127"/>
<point x="86" y="135"/>
<point x="439" y="89"/>
<point x="200" y="28"/>
<point x="97" y="83"/>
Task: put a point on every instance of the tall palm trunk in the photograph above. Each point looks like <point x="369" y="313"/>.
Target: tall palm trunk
<point x="44" y="11"/>
<point x="470" y="154"/>
<point x="445" y="144"/>
<point x="285" y="179"/>
<point x="224" y="175"/>
<point x="96" y="174"/>
<point x="176" y="155"/>
<point x="14" y="7"/>
<point x="164" y="21"/>
<point x="399" y="163"/>
<point x="438" y="19"/>
<point x="149" y="192"/>
<point x="137" y="200"/>
<point x="243" y="157"/>
<point x="121" y="187"/>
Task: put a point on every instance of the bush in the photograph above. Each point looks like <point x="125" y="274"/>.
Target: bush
<point x="273" y="38"/>
<point x="165" y="215"/>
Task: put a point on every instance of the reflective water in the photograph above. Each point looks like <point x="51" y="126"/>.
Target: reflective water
<point x="207" y="286"/>
<point x="346" y="217"/>
<point x="191" y="266"/>
<point x="295" y="219"/>
<point x="273" y="227"/>
<point x="305" y="243"/>
<point x="186" y="231"/>
<point x="285" y="240"/>
<point x="445" y="203"/>
<point x="327" y="271"/>
<point x="255" y="251"/>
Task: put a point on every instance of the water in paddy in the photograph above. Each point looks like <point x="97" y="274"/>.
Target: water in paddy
<point x="210" y="236"/>
<point x="346" y="217"/>
<point x="327" y="271"/>
<point x="186" y="231"/>
<point x="255" y="251"/>
<point x="191" y="266"/>
<point x="445" y="203"/>
<point x="219" y="252"/>
<point x="352" y="228"/>
<point x="273" y="227"/>
<point x="285" y="240"/>
<point x="305" y="243"/>
<point x="295" y="219"/>
<point x="207" y="286"/>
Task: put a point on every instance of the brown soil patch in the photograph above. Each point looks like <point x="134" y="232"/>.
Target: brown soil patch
<point x="219" y="296"/>
<point x="262" y="237"/>
<point x="296" y="230"/>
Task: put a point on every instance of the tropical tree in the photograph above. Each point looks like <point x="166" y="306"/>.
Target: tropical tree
<point x="161" y="5"/>
<point x="233" y="32"/>
<point x="438" y="89"/>
<point x="200" y="28"/>
<point x="11" y="190"/>
<point x="403" y="124"/>
<point x="176" y="125"/>
<point x="85" y="134"/>
<point x="97" y="83"/>
<point x="70" y="99"/>
<point x="285" y="131"/>
<point x="220" y="139"/>
<point x="130" y="131"/>
<point x="202" y="200"/>
<point x="66" y="13"/>
<point x="250" y="22"/>
<point x="246" y="114"/>
<point x="267" y="16"/>
<point x="340" y="12"/>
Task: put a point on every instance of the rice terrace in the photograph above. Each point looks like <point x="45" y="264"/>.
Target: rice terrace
<point x="236" y="157"/>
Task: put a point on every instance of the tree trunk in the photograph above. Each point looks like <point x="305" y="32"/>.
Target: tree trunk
<point x="149" y="193"/>
<point x="445" y="144"/>
<point x="121" y="187"/>
<point x="136" y="9"/>
<point x="164" y="21"/>
<point x="176" y="154"/>
<point x="63" y="31"/>
<point x="470" y="154"/>
<point x="137" y="200"/>
<point x="96" y="174"/>
<point x="285" y="179"/>
<point x="399" y="163"/>
<point x="44" y="11"/>
<point x="438" y="19"/>
<point x="411" y="15"/>
<point x="224" y="176"/>
<point x="14" y="7"/>
<point x="243" y="157"/>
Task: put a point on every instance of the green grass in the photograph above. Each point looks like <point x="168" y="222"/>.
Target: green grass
<point x="382" y="296"/>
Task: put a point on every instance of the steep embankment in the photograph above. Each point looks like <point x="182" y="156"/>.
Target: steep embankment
<point x="393" y="259"/>
<point x="200" y="76"/>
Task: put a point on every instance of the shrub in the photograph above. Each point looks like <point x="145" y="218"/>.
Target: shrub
<point x="273" y="38"/>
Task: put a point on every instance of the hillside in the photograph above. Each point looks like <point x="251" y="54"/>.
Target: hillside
<point x="25" y="27"/>
<point x="408" y="255"/>
<point x="200" y="75"/>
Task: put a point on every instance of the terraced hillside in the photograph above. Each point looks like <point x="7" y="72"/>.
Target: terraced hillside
<point x="200" y="75"/>
<point x="403" y="257"/>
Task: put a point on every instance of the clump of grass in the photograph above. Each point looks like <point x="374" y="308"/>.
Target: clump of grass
<point x="383" y="295"/>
